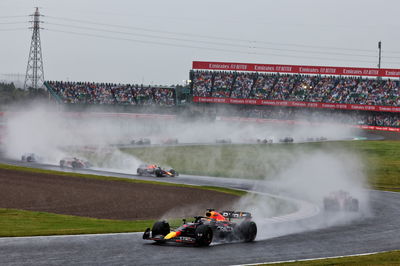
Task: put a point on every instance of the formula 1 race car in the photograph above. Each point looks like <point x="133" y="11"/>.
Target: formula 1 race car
<point x="142" y="141"/>
<point x="169" y="141"/>
<point x="30" y="158"/>
<point x="286" y="140"/>
<point x="223" y="141"/>
<point x="215" y="226"/>
<point x="265" y="141"/>
<point x="74" y="163"/>
<point x="155" y="170"/>
<point x="340" y="201"/>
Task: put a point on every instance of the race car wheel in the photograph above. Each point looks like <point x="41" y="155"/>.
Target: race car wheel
<point x="204" y="235"/>
<point x="74" y="165"/>
<point x="139" y="171"/>
<point x="173" y="172"/>
<point x="62" y="163"/>
<point x="248" y="231"/>
<point x="160" y="228"/>
<point x="351" y="205"/>
<point x="158" y="173"/>
<point x="354" y="205"/>
<point x="331" y="205"/>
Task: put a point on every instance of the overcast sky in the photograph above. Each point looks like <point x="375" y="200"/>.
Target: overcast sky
<point x="155" y="41"/>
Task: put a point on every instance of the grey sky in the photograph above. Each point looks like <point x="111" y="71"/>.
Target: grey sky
<point x="153" y="50"/>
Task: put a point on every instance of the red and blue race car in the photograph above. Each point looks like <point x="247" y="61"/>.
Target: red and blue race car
<point x="155" y="170"/>
<point x="214" y="226"/>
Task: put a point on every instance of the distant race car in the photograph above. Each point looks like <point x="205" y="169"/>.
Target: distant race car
<point x="74" y="163"/>
<point x="223" y="141"/>
<point x="317" y="138"/>
<point x="265" y="141"/>
<point x="169" y="141"/>
<point x="215" y="226"/>
<point x="141" y="141"/>
<point x="30" y="157"/>
<point x="155" y="170"/>
<point x="340" y="201"/>
<point x="286" y="140"/>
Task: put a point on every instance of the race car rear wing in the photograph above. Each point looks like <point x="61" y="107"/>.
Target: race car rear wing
<point x="236" y="215"/>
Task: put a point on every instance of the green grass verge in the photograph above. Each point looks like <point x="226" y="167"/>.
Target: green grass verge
<point x="381" y="159"/>
<point x="383" y="259"/>
<point x="110" y="178"/>
<point x="28" y="223"/>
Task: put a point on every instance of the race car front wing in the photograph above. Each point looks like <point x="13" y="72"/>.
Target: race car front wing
<point x="160" y="238"/>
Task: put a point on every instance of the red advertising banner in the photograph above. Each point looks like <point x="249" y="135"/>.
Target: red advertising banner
<point x="293" y="122"/>
<point x="342" y="106"/>
<point x="320" y="70"/>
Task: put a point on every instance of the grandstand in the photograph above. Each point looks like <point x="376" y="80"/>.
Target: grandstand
<point x="111" y="94"/>
<point x="361" y="96"/>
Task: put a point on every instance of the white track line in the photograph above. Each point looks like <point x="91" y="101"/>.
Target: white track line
<point x="323" y="258"/>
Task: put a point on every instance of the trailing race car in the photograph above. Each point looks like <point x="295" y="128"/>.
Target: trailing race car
<point x="340" y="201"/>
<point x="287" y="140"/>
<point x="142" y="141"/>
<point x="74" y="163"/>
<point x="265" y="141"/>
<point x="215" y="226"/>
<point x="223" y="141"/>
<point x="155" y="170"/>
<point x="30" y="157"/>
<point x="169" y="141"/>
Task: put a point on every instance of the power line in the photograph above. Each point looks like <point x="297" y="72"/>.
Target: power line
<point x="15" y="29"/>
<point x="208" y="42"/>
<point x="9" y="23"/>
<point x="4" y="17"/>
<point x="211" y="37"/>
<point x="201" y="47"/>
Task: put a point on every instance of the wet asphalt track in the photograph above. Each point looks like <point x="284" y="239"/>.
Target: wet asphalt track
<point x="380" y="232"/>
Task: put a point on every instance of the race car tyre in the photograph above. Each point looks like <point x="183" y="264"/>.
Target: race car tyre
<point x="248" y="231"/>
<point x="351" y="205"/>
<point x="355" y="205"/>
<point x="160" y="228"/>
<point x="74" y="165"/>
<point x="62" y="163"/>
<point x="22" y="158"/>
<point x="331" y="205"/>
<point x="139" y="171"/>
<point x="158" y="173"/>
<point x="173" y="172"/>
<point x="204" y="235"/>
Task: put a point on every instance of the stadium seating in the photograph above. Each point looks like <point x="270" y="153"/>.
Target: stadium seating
<point x="316" y="115"/>
<point x="307" y="88"/>
<point x="105" y="93"/>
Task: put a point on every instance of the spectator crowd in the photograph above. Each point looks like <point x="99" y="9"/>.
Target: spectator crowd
<point x="106" y="93"/>
<point x="296" y="87"/>
<point x="317" y="115"/>
<point x="221" y="84"/>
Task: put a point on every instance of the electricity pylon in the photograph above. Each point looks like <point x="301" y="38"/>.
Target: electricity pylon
<point x="34" y="76"/>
